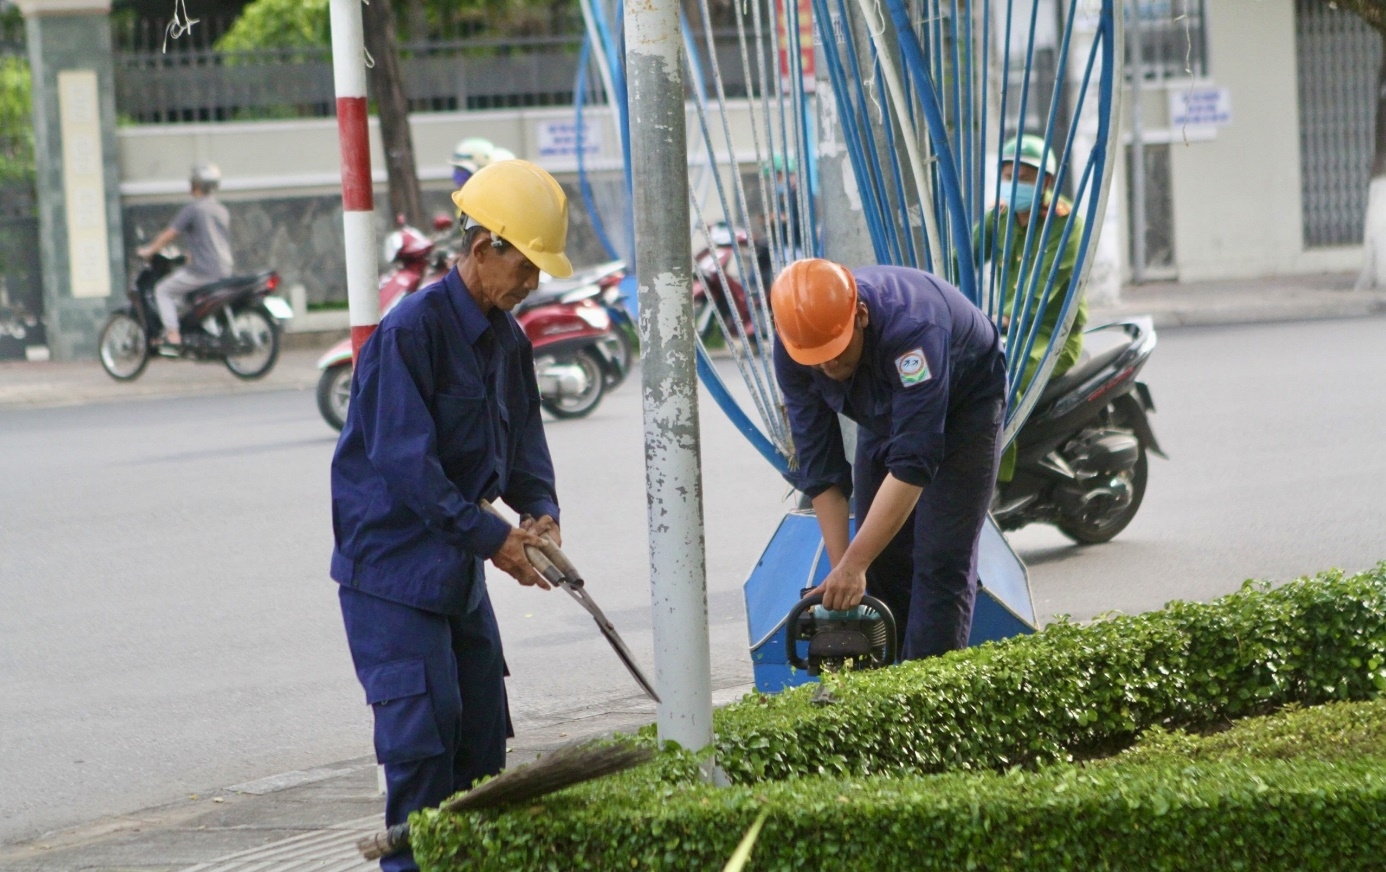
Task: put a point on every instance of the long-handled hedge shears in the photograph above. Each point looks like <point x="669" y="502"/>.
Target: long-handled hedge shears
<point x="550" y="562"/>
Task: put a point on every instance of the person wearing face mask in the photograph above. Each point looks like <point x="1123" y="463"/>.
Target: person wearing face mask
<point x="1027" y="190"/>
<point x="445" y="413"/>
<point x="468" y="157"/>
<point x="920" y="369"/>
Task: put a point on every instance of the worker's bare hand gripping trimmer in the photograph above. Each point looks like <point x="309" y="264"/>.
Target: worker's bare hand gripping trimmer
<point x="550" y="562"/>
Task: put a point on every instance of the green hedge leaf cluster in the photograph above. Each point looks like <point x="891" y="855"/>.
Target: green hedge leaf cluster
<point x="1201" y="802"/>
<point x="968" y="760"/>
<point x="1075" y="690"/>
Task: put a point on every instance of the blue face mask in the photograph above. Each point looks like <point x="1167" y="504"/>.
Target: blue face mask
<point x="1022" y="200"/>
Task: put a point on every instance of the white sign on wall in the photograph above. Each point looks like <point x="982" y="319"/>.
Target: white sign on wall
<point x="1200" y="107"/>
<point x="560" y="139"/>
<point x="84" y="184"/>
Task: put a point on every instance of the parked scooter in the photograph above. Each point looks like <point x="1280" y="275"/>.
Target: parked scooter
<point x="580" y="350"/>
<point x="417" y="263"/>
<point x="234" y="321"/>
<point x="602" y="284"/>
<point x="1082" y="454"/>
<point x="719" y="286"/>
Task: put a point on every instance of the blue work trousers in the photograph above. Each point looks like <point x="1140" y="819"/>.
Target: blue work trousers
<point x="436" y="685"/>
<point x="927" y="575"/>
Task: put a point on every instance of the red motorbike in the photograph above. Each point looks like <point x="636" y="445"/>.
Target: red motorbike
<point x="579" y="352"/>
<point x="719" y="287"/>
<point x="415" y="265"/>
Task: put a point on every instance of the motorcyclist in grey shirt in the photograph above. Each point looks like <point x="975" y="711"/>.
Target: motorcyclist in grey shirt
<point x="204" y="227"/>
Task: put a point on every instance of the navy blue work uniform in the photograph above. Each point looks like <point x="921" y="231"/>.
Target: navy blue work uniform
<point x="444" y="412"/>
<point x="929" y="399"/>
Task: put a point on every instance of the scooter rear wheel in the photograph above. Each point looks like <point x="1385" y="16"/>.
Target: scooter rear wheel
<point x="1105" y="529"/>
<point x="582" y="404"/>
<point x="124" y="348"/>
<point x="257" y="330"/>
<point x="334" y="394"/>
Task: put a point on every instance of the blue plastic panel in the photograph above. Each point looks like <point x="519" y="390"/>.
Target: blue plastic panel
<point x="793" y="560"/>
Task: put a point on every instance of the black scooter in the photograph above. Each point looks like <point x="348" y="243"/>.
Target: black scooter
<point x="1081" y="461"/>
<point x="233" y="321"/>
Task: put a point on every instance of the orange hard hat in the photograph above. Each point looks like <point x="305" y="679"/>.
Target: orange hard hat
<point x="815" y="305"/>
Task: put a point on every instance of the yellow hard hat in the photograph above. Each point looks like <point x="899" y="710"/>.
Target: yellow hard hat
<point x="524" y="205"/>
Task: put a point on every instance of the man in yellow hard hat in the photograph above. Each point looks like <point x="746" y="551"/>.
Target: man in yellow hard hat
<point x="445" y="413"/>
<point x="920" y="370"/>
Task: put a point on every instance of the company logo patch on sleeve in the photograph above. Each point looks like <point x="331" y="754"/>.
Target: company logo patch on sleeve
<point x="913" y="367"/>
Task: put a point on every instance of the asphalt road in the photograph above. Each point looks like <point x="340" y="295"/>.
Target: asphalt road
<point x="168" y="626"/>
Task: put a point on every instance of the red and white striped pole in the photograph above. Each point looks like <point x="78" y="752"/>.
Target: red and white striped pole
<point x="358" y="202"/>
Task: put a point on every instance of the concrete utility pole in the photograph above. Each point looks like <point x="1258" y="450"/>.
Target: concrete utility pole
<point x="663" y="259"/>
<point x="358" y="196"/>
<point x="1134" y="51"/>
<point x="82" y="246"/>
<point x="846" y="238"/>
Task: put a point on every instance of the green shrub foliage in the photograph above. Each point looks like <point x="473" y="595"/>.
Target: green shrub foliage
<point x="1175" y="801"/>
<point x="850" y="784"/>
<point x="1075" y="690"/>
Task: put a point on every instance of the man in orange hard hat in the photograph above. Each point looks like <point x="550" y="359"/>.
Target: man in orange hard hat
<point x="920" y="370"/>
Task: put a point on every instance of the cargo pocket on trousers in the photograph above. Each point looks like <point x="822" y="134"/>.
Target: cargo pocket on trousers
<point x="405" y="728"/>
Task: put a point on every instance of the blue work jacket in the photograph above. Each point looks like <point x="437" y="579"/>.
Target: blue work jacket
<point x="927" y="349"/>
<point x="444" y="412"/>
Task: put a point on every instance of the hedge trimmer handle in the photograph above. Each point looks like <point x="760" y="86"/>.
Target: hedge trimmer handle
<point x="856" y="615"/>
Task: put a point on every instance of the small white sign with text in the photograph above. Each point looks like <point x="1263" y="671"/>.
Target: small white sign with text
<point x="562" y="139"/>
<point x="1203" y="106"/>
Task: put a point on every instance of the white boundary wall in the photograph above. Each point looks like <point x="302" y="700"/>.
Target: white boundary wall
<point x="1236" y="194"/>
<point x="300" y="157"/>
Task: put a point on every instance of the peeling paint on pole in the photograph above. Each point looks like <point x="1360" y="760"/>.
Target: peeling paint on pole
<point x="663" y="259"/>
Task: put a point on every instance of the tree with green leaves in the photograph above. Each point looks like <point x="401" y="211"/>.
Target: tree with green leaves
<point x="1373" y="273"/>
<point x="305" y="23"/>
<point x="16" y="122"/>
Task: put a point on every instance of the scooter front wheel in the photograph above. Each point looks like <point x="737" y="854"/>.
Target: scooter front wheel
<point x="124" y="347"/>
<point x="334" y="394"/>
<point x="580" y="405"/>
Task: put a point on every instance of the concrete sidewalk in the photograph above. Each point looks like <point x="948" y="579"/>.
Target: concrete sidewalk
<point x="32" y="384"/>
<point x="1250" y="301"/>
<point x="1171" y="304"/>
<point x="289" y="822"/>
<point x="310" y="820"/>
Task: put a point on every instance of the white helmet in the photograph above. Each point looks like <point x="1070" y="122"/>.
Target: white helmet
<point x="472" y="153"/>
<point x="206" y="175"/>
<point x="499" y="154"/>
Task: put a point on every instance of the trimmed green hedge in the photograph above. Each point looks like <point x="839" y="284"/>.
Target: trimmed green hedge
<point x="1177" y="802"/>
<point x="1075" y="690"/>
<point x="1070" y="692"/>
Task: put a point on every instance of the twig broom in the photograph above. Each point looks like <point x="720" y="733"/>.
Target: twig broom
<point x="569" y="765"/>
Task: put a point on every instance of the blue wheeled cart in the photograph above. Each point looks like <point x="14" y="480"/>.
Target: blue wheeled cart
<point x="795" y="559"/>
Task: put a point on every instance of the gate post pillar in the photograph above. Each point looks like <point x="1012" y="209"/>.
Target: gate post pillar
<point x="76" y="176"/>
